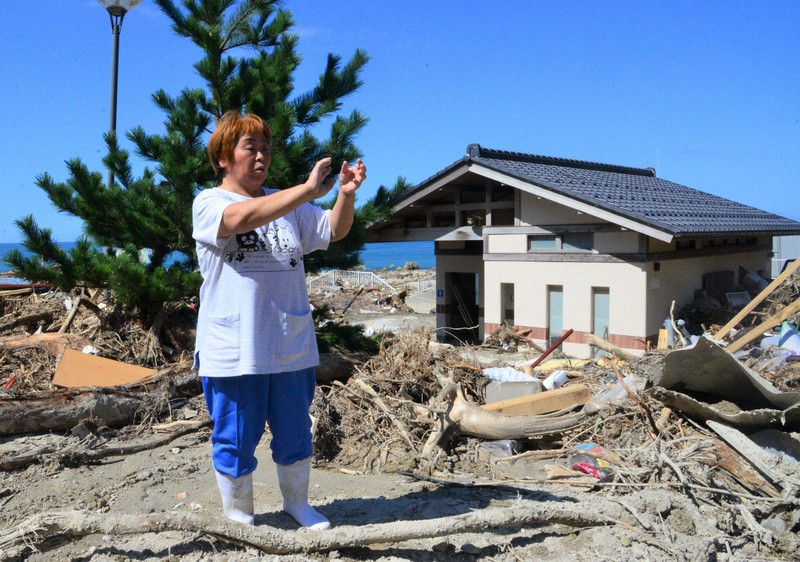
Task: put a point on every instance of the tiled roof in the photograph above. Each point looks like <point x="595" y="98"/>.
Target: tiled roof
<point x="635" y="193"/>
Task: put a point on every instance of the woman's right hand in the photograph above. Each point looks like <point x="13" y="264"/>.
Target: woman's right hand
<point x="316" y="184"/>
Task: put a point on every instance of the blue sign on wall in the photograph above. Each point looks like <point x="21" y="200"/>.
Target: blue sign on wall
<point x="439" y="293"/>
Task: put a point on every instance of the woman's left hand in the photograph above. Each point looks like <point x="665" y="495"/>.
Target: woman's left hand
<point x="350" y="179"/>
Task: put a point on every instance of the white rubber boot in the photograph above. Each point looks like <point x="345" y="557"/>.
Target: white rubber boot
<point x="293" y="480"/>
<point x="237" y="497"/>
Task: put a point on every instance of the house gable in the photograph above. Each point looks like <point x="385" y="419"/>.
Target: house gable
<point x="485" y="185"/>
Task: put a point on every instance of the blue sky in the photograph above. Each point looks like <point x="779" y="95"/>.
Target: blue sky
<point x="707" y="92"/>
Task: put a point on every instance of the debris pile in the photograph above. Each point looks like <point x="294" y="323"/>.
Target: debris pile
<point x="692" y="448"/>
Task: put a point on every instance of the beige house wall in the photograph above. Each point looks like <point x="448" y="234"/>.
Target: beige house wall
<point x="640" y="297"/>
<point x="617" y="242"/>
<point x="536" y="211"/>
<point x="507" y="243"/>
<point x="678" y="279"/>
<point x="604" y="242"/>
<point x="626" y="283"/>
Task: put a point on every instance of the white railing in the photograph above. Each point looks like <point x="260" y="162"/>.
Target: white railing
<point x="358" y="278"/>
<point x="424" y="285"/>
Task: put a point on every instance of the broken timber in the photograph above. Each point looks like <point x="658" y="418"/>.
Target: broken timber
<point x="466" y="418"/>
<point x="543" y="402"/>
<point x="756" y="301"/>
<point x="767" y="324"/>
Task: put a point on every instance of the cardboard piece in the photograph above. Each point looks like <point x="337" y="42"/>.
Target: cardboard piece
<point x="543" y="402"/>
<point x="78" y="369"/>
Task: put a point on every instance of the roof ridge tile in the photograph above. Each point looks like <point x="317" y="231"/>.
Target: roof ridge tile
<point x="477" y="151"/>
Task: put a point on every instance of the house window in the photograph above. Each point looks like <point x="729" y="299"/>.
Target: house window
<point x="555" y="313"/>
<point x="543" y="243"/>
<point x="601" y="315"/>
<point x="576" y="241"/>
<point x="507" y="303"/>
<point x="565" y="242"/>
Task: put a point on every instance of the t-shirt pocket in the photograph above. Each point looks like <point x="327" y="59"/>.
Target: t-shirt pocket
<point x="298" y="334"/>
<point x="222" y="340"/>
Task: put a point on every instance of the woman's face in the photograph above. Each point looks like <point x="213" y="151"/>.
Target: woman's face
<point x="251" y="160"/>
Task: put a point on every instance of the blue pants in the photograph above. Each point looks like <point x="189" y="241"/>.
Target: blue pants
<point x="240" y="407"/>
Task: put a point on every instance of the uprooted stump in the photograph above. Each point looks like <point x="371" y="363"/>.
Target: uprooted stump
<point x="458" y="415"/>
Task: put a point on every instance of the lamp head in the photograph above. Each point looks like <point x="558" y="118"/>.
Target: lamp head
<point x="119" y="7"/>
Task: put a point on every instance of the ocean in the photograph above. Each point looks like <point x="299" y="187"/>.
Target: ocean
<point x="376" y="255"/>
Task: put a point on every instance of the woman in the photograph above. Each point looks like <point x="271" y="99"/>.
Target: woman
<point x="256" y="350"/>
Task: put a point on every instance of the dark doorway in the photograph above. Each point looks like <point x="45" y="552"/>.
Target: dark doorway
<point x="463" y="309"/>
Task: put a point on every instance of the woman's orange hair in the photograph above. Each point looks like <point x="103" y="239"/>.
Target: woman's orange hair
<point x="230" y="127"/>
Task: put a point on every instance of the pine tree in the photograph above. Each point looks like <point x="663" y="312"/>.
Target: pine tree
<point x="248" y="64"/>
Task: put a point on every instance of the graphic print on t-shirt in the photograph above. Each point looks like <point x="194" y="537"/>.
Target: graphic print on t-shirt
<point x="273" y="249"/>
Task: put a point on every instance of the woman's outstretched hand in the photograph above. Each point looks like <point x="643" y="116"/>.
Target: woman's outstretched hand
<point x="350" y="179"/>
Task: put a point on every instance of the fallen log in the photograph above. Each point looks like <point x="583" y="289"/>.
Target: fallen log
<point x="114" y="406"/>
<point x="41" y="530"/>
<point x="334" y="367"/>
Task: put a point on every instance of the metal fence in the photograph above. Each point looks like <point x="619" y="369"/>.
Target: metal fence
<point x="358" y="278"/>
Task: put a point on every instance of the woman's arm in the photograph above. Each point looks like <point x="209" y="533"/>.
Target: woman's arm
<point x="248" y="215"/>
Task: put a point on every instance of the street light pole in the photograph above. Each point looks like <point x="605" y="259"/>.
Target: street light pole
<point x="116" y="11"/>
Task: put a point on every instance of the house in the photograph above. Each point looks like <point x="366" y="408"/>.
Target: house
<point x="552" y="244"/>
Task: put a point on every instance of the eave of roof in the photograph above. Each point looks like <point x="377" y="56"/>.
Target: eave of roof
<point x="632" y="197"/>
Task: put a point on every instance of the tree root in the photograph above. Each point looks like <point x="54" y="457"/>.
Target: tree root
<point x="42" y="529"/>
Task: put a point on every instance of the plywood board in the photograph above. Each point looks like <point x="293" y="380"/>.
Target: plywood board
<point x="543" y="402"/>
<point x="78" y="369"/>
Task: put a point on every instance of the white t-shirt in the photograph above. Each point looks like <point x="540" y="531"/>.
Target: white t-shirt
<point x="255" y="316"/>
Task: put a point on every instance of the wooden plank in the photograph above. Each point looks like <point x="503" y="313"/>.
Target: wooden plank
<point x="756" y="301"/>
<point x="767" y="324"/>
<point x="543" y="402"/>
<point x="663" y="339"/>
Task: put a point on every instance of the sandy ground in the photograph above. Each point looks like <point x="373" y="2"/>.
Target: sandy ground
<point x="178" y="478"/>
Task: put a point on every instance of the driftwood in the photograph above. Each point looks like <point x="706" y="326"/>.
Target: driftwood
<point x="41" y="530"/>
<point x="605" y="345"/>
<point x="466" y="418"/>
<point x="35" y="318"/>
<point x="53" y="343"/>
<point x="76" y="455"/>
<point x="114" y="407"/>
